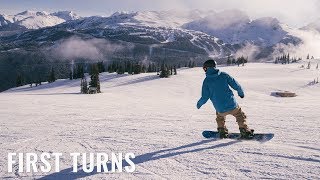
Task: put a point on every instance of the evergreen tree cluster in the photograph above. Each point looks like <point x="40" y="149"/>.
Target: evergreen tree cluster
<point x="78" y="72"/>
<point x="240" y="60"/>
<point x="130" y="67"/>
<point x="308" y="57"/>
<point x="94" y="84"/>
<point x="167" y="70"/>
<point x="285" y="59"/>
<point x="51" y="77"/>
<point x="190" y="64"/>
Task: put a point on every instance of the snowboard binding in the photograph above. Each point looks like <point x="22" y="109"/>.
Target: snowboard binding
<point x="246" y="133"/>
<point x="223" y="133"/>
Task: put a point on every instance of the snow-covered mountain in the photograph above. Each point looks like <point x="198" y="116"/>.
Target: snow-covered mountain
<point x="167" y="19"/>
<point x="231" y="26"/>
<point x="204" y="32"/>
<point x="66" y="15"/>
<point x="136" y="28"/>
<point x="234" y="26"/>
<point x="313" y="26"/>
<point x="4" y="20"/>
<point x="36" y="20"/>
<point x="171" y="18"/>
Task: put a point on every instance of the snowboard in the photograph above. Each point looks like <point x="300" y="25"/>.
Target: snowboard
<point x="261" y="137"/>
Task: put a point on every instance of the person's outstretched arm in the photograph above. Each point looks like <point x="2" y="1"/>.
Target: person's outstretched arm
<point x="235" y="85"/>
<point x="205" y="95"/>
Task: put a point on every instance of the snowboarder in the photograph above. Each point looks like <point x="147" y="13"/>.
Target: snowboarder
<point x="216" y="88"/>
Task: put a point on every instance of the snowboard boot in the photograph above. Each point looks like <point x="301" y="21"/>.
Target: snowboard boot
<point x="246" y="133"/>
<point x="223" y="132"/>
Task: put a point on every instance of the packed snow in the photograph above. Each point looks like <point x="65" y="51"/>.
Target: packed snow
<point x="157" y="120"/>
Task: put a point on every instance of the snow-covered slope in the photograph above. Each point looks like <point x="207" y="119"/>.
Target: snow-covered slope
<point x="36" y="20"/>
<point x="157" y="120"/>
<point x="234" y="26"/>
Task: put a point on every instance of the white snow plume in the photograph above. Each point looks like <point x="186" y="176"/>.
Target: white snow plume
<point x="91" y="49"/>
<point x="310" y="45"/>
<point x="249" y="50"/>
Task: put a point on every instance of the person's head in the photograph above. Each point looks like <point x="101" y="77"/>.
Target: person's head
<point x="209" y="64"/>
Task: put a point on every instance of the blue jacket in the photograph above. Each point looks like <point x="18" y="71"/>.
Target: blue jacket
<point x="216" y="87"/>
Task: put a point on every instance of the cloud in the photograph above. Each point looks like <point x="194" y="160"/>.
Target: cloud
<point x="91" y="49"/>
<point x="249" y="50"/>
<point x="310" y="45"/>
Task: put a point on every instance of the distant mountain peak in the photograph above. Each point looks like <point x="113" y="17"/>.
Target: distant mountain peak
<point x="33" y="13"/>
<point x="314" y="26"/>
<point x="66" y="15"/>
<point x="36" y="19"/>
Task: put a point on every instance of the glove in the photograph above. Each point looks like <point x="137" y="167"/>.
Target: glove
<point x="199" y="105"/>
<point x="241" y="94"/>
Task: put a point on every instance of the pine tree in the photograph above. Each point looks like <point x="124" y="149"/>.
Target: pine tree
<point x="164" y="71"/>
<point x="234" y="61"/>
<point x="149" y="68"/>
<point x="130" y="70"/>
<point x="309" y="65"/>
<point x="101" y="67"/>
<point x="158" y="71"/>
<point x="308" y="56"/>
<point x="136" y="69"/>
<point x="276" y="61"/>
<point x="143" y="69"/>
<point x="19" y="81"/>
<point x="84" y="86"/>
<point x="52" y="76"/>
<point x="228" y="61"/>
<point x="175" y="70"/>
<point x="81" y="72"/>
<point x="120" y="69"/>
<point x="243" y="61"/>
<point x="74" y="76"/>
<point x="95" y="82"/>
<point x="317" y="66"/>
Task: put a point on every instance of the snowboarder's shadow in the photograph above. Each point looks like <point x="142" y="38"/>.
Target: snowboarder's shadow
<point x="156" y="155"/>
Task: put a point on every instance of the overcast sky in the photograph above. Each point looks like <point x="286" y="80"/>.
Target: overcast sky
<point x="293" y="12"/>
